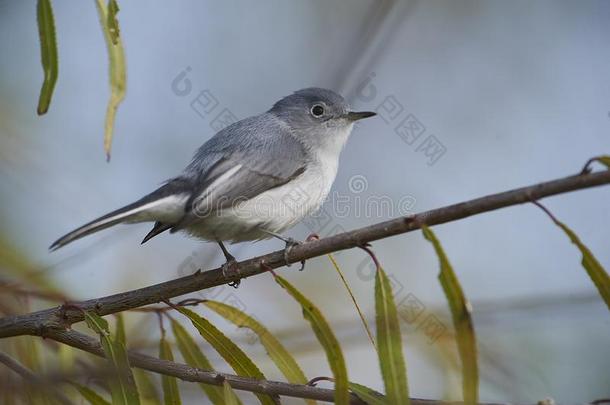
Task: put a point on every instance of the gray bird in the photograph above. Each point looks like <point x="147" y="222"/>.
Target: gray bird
<point x="252" y="180"/>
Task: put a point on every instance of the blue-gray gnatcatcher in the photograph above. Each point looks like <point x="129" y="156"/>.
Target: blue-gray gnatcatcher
<point x="252" y="180"/>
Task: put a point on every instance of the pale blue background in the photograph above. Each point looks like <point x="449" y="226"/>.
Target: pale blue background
<point x="517" y="92"/>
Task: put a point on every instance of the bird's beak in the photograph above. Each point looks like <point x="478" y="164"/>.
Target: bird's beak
<point x="358" y="115"/>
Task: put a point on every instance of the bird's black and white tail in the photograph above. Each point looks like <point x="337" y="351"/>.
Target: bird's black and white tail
<point x="165" y="205"/>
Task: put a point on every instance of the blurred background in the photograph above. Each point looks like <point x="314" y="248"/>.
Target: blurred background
<point x="473" y="98"/>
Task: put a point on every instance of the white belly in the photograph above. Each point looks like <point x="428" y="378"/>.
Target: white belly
<point x="275" y="210"/>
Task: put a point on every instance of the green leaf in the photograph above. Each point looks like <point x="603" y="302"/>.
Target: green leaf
<point x="122" y="385"/>
<point x="389" y="342"/>
<point x="351" y="294"/>
<point x="326" y="338"/>
<point x="594" y="269"/>
<point x="368" y="395"/>
<point x="48" y="53"/>
<point x="604" y="159"/>
<point x="146" y="387"/>
<point x="171" y="395"/>
<point x="229" y="351"/>
<point x="276" y="351"/>
<point x="229" y="395"/>
<point x="91" y="396"/>
<point x="116" y="57"/>
<point x="194" y="356"/>
<point x="112" y="22"/>
<point x="120" y="330"/>
<point x="462" y="321"/>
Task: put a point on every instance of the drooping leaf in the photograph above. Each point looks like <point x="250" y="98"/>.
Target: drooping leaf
<point x="605" y="160"/>
<point x="112" y="22"/>
<point x="389" y="342"/>
<point x="91" y="396"/>
<point x="120" y="330"/>
<point x="122" y="385"/>
<point x="146" y="387"/>
<point x="194" y="356"/>
<point x="462" y="321"/>
<point x="171" y="395"/>
<point x="276" y="351"/>
<point x="368" y="395"/>
<point x="351" y="294"/>
<point x="594" y="269"/>
<point x="229" y="351"/>
<point x="230" y="398"/>
<point x="327" y="339"/>
<point x="116" y="56"/>
<point x="48" y="53"/>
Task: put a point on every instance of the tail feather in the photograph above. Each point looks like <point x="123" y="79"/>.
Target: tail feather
<point x="164" y="205"/>
<point x="103" y="222"/>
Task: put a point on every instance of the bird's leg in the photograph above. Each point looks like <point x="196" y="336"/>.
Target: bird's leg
<point x="290" y="243"/>
<point x="230" y="268"/>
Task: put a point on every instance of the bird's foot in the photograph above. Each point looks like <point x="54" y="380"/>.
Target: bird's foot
<point x="290" y="243"/>
<point x="231" y="269"/>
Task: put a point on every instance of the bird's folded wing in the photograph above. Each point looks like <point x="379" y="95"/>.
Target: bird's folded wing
<point x="239" y="167"/>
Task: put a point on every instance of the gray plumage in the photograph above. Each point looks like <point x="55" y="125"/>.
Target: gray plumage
<point x="256" y="162"/>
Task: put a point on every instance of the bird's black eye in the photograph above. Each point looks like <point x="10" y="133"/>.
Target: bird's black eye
<point x="317" y="110"/>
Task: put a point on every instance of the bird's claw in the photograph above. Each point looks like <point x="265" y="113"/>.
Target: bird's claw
<point x="231" y="269"/>
<point x="290" y="243"/>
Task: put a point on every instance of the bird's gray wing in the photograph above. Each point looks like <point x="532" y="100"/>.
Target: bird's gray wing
<point x="242" y="161"/>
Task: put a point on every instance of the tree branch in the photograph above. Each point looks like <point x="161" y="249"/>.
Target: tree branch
<point x="41" y="323"/>
<point x="191" y="374"/>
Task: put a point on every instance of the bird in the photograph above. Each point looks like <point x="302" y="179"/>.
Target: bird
<point x="252" y="180"/>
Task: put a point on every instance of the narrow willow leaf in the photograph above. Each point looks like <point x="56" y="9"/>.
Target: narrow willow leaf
<point x="122" y="385"/>
<point x="146" y="387"/>
<point x="48" y="53"/>
<point x="276" y="351"/>
<point x="462" y="321"/>
<point x="326" y="338"/>
<point x="368" y="395"/>
<point x="389" y="342"/>
<point x="229" y="395"/>
<point x="604" y="159"/>
<point x="229" y="351"/>
<point x="194" y="356"/>
<point x="120" y="330"/>
<point x="594" y="269"/>
<point x="112" y="22"/>
<point x="116" y="56"/>
<point x="171" y="395"/>
<point x="351" y="294"/>
<point x="91" y="396"/>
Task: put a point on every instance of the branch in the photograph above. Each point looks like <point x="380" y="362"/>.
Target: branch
<point x="31" y="378"/>
<point x="41" y="323"/>
<point x="192" y="374"/>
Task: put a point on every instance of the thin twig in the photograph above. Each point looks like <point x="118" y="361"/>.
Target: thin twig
<point x="38" y="323"/>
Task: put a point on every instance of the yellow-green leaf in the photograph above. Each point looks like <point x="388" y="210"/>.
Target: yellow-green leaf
<point x="229" y="395"/>
<point x="326" y="338"/>
<point x="112" y="22"/>
<point x="351" y="294"/>
<point x="594" y="269"/>
<point x="91" y="396"/>
<point x="389" y="342"/>
<point x="194" y="356"/>
<point x="276" y="351"/>
<point x="229" y="351"/>
<point x="116" y="56"/>
<point x="48" y="53"/>
<point x="171" y="395"/>
<point x="462" y="321"/>
<point x="368" y="395"/>
<point x="120" y="330"/>
<point x="122" y="385"/>
<point x="146" y="387"/>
